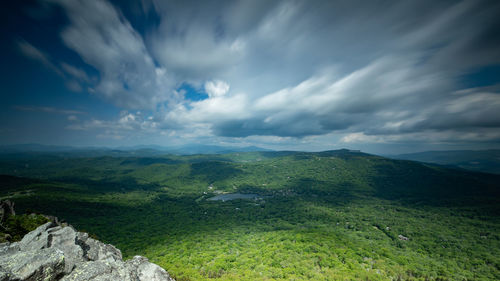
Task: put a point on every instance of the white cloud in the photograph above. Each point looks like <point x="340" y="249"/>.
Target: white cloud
<point x="360" y="137"/>
<point x="105" y="40"/>
<point x="194" y="42"/>
<point x="387" y="100"/>
<point x="216" y="88"/>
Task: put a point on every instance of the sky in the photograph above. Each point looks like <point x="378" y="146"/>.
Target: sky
<point x="380" y="76"/>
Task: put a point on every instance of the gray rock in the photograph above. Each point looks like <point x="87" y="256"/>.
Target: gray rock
<point x="64" y="239"/>
<point x="142" y="269"/>
<point x="42" y="264"/>
<point x="137" y="269"/>
<point x="37" y="239"/>
<point x="96" y="250"/>
<point x="55" y="252"/>
<point x="404" y="238"/>
<point x="97" y="271"/>
<point x="9" y="248"/>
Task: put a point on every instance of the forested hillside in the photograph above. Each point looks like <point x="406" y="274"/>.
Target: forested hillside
<point x="334" y="215"/>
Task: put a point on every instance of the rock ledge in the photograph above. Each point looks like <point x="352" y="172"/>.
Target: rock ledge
<point x="55" y="252"/>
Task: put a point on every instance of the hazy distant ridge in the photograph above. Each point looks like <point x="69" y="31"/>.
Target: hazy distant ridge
<point x="475" y="160"/>
<point x="138" y="149"/>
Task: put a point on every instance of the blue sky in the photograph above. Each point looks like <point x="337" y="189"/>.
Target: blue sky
<point x="381" y="76"/>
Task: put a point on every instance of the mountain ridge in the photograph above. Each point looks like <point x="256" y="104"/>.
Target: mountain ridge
<point x="474" y="160"/>
<point x="187" y="149"/>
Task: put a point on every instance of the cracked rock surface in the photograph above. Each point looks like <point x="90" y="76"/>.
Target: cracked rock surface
<point x="53" y="252"/>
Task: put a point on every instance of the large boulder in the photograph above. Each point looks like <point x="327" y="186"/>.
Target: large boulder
<point x="141" y="269"/>
<point x="55" y="252"/>
<point x="42" y="264"/>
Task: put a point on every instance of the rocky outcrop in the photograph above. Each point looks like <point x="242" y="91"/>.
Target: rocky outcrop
<point x="55" y="252"/>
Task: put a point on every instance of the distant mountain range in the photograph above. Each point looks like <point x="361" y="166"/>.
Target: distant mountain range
<point x="127" y="150"/>
<point x="195" y="149"/>
<point x="475" y="160"/>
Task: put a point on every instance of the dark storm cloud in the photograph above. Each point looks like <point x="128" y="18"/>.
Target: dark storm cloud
<point x="366" y="70"/>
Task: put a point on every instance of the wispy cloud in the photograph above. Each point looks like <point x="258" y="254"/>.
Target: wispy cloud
<point x="48" y="109"/>
<point x="75" y="72"/>
<point x="105" y="40"/>
<point x="34" y="53"/>
<point x="75" y="78"/>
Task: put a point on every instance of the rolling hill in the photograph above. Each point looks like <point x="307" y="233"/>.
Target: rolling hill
<point x="332" y="215"/>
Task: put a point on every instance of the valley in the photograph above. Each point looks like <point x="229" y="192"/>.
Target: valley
<point x="333" y="215"/>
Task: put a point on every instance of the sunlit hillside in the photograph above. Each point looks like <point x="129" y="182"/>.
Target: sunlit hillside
<point x="334" y="215"/>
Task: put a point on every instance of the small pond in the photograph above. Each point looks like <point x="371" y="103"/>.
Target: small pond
<point x="232" y="196"/>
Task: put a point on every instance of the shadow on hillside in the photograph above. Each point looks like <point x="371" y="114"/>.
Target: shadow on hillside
<point x="214" y="171"/>
<point x="122" y="184"/>
<point x="339" y="193"/>
<point x="413" y="182"/>
<point x="13" y="183"/>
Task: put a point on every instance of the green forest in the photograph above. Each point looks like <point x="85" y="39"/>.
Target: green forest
<point x="333" y="215"/>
